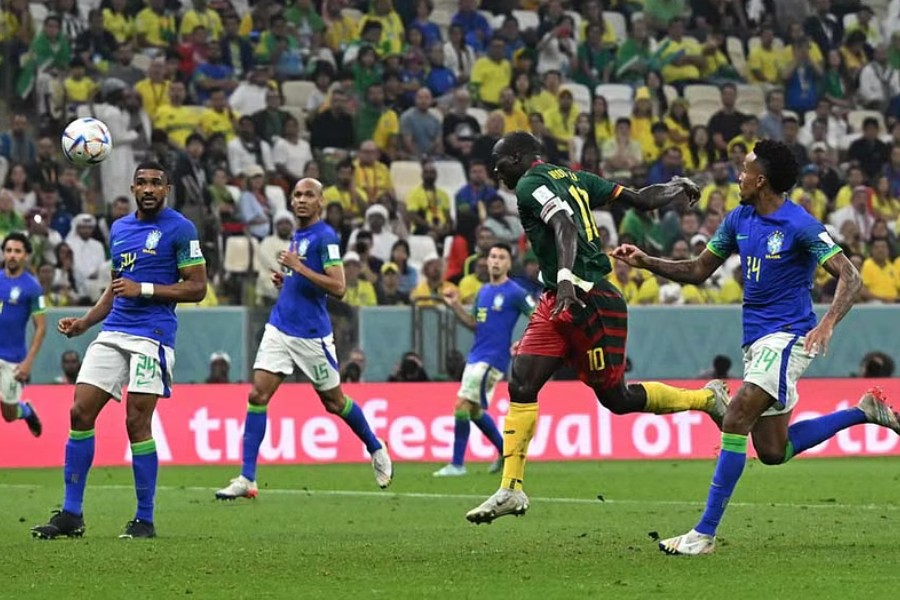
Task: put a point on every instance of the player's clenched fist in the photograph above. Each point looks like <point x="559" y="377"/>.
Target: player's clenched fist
<point x="277" y="279"/>
<point x="71" y="326"/>
<point x="631" y="254"/>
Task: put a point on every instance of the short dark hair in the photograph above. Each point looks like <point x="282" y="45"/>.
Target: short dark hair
<point x="346" y="163"/>
<point x="18" y="236"/>
<point x="623" y="121"/>
<point x="522" y="143"/>
<point x="152" y="165"/>
<point x="778" y="164"/>
<point x="502" y="246"/>
<point x="659" y="126"/>
<point x="871" y="122"/>
<point x="194" y="137"/>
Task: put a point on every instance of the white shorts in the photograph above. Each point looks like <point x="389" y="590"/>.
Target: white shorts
<point x="774" y="363"/>
<point x="117" y="359"/>
<point x="316" y="357"/>
<point x="10" y="388"/>
<point x="478" y="383"/>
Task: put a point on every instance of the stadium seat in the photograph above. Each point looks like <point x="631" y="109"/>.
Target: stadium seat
<point x="141" y="61"/>
<point x="353" y="13"/>
<point x="617" y="20"/>
<point x="297" y="92"/>
<point x="275" y="195"/>
<point x="4" y="168"/>
<point x="703" y="94"/>
<point x="83" y="110"/>
<point x="750" y="93"/>
<point x="38" y="13"/>
<point x="615" y="91"/>
<point x="850" y="20"/>
<point x="235" y="192"/>
<point x="700" y="115"/>
<point x="855" y="119"/>
<point x="671" y="93"/>
<point x="735" y="49"/>
<point x="239" y="251"/>
<point x="581" y="94"/>
<point x="420" y="248"/>
<point x="479" y="114"/>
<point x="448" y="246"/>
<point x="527" y="19"/>
<point x="441" y="17"/>
<point x="406" y="175"/>
<point x="619" y="108"/>
<point x="451" y="176"/>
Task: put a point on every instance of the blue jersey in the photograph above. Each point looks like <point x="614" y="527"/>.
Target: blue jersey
<point x="20" y="297"/>
<point x="779" y="253"/>
<point x="496" y="310"/>
<point x="300" y="310"/>
<point x="151" y="251"/>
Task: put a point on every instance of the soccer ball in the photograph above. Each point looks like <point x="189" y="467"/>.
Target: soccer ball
<point x="86" y="141"/>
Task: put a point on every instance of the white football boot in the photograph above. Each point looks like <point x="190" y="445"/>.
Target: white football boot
<point x="240" y="487"/>
<point x="381" y="464"/>
<point x="874" y="405"/>
<point x="504" y="502"/>
<point x="450" y="471"/>
<point x="720" y="389"/>
<point x="691" y="543"/>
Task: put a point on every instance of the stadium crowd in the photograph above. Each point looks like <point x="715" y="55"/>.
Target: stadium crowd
<point x="395" y="106"/>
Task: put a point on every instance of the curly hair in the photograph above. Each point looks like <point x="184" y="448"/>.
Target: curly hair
<point x="521" y="143"/>
<point x="778" y="164"/>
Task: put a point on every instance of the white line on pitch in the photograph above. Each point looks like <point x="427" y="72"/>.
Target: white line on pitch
<point x="435" y="496"/>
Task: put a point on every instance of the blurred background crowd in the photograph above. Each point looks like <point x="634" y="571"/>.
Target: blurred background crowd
<point x="395" y="106"/>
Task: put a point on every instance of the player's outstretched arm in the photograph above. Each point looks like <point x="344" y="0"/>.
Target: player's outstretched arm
<point x="191" y="288"/>
<point x="464" y="316"/>
<point x="661" y="194"/>
<point x="848" y="286"/>
<point x="695" y="270"/>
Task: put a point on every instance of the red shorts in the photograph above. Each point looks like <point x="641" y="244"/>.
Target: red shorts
<point x="591" y="339"/>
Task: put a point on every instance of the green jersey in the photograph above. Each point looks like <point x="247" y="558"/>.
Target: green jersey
<point x="547" y="189"/>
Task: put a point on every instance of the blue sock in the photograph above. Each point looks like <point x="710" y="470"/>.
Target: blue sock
<point x="254" y="432"/>
<point x="803" y="435"/>
<point x="728" y="470"/>
<point x="79" y="456"/>
<point x="24" y="411"/>
<point x="145" y="466"/>
<point x="461" y="429"/>
<point x="487" y="426"/>
<point x="355" y="418"/>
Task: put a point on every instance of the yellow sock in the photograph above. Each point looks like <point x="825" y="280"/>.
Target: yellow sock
<point x="518" y="429"/>
<point x="663" y="399"/>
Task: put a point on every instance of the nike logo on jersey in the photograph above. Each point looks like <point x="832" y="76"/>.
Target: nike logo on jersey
<point x="117" y="242"/>
<point x="742" y="237"/>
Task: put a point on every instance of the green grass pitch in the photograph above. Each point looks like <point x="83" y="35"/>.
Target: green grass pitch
<point x="809" y="529"/>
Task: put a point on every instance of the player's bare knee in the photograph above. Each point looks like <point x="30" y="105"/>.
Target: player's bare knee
<point x="333" y="401"/>
<point x="467" y="406"/>
<point x="139" y="425"/>
<point x="80" y="418"/>
<point x="10" y="412"/>
<point x="259" y="397"/>
<point x="769" y="457"/>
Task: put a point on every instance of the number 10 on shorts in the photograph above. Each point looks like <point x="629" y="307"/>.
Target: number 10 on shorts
<point x="596" y="359"/>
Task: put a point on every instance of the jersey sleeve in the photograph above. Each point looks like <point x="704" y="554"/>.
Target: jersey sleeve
<point x="601" y="192"/>
<point x="38" y="303"/>
<point x="539" y="196"/>
<point x="815" y="240"/>
<point x="330" y="249"/>
<point x="524" y="302"/>
<point x="724" y="243"/>
<point x="187" y="246"/>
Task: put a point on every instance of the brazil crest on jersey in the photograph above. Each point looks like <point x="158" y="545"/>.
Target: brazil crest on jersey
<point x="300" y="310"/>
<point x="151" y="251"/>
<point x="20" y="297"/>
<point x="547" y="189"/>
<point x="496" y="310"/>
<point x="779" y="253"/>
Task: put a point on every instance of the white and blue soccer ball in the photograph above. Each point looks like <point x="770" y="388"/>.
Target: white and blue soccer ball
<point x="86" y="142"/>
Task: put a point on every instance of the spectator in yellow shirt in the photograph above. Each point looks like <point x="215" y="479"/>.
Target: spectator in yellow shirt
<point x="763" y="62"/>
<point x="392" y="31"/>
<point x="491" y="74"/>
<point x="432" y="285"/>
<point x="118" y="22"/>
<point x="341" y="29"/>
<point x="371" y="175"/>
<point x="428" y="207"/>
<point x="721" y="183"/>
<point x="218" y="117"/>
<point x="352" y="198"/>
<point x="732" y="291"/>
<point x="155" y="26"/>
<point x="682" y="57"/>
<point x="855" y="178"/>
<point x="203" y="16"/>
<point x="471" y="283"/>
<point x="79" y="89"/>
<point x="621" y="278"/>
<point x="561" y="121"/>
<point x="177" y="120"/>
<point x="642" y="121"/>
<point x="359" y="291"/>
<point x="154" y="90"/>
<point x="808" y="195"/>
<point x="878" y="277"/>
<point x="514" y="119"/>
<point x="749" y="134"/>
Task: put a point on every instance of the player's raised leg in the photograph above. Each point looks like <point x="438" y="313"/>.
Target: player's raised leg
<point x="144" y="462"/>
<point x="69" y="522"/>
<point x="530" y="373"/>
<point x="265" y="383"/>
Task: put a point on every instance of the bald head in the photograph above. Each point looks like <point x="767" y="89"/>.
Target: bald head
<point x="306" y="201"/>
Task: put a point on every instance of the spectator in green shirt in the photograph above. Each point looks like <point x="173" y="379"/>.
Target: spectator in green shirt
<point x="10" y="220"/>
